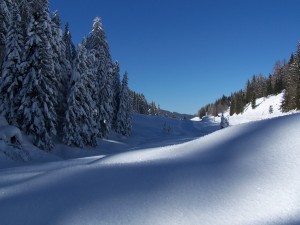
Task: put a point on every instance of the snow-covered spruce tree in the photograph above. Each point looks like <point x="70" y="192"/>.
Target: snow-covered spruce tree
<point x="97" y="43"/>
<point x="116" y="86"/>
<point x="11" y="79"/>
<point x="62" y="68"/>
<point x="5" y="20"/>
<point x="80" y="128"/>
<point x="39" y="92"/>
<point x="70" y="47"/>
<point x="123" y="123"/>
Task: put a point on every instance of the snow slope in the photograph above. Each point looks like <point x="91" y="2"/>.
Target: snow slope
<point x="260" y="112"/>
<point x="245" y="174"/>
<point x="148" y="132"/>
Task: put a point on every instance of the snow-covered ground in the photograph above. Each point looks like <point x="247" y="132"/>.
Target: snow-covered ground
<point x="168" y="172"/>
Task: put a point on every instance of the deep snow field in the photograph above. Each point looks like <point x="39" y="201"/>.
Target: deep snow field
<point x="168" y="172"/>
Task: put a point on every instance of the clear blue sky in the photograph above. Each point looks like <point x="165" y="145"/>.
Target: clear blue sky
<point x="184" y="54"/>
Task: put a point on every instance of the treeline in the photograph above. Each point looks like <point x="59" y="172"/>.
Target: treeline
<point x="285" y="78"/>
<point x="51" y="89"/>
<point x="140" y="105"/>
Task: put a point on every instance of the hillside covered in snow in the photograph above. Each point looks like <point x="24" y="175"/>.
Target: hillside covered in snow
<point x="265" y="108"/>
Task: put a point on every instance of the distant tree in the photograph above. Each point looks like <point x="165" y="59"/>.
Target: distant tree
<point x="116" y="86"/>
<point x="123" y="124"/>
<point x="291" y="101"/>
<point x="153" y="109"/>
<point x="232" y="105"/>
<point x="202" y="113"/>
<point x="139" y="103"/>
<point x="249" y="91"/>
<point x="269" y="90"/>
<point x="253" y="101"/>
<point x="277" y="77"/>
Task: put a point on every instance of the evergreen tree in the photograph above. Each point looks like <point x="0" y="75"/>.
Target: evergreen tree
<point x="97" y="39"/>
<point x="232" y="105"/>
<point x="70" y="47"/>
<point x="253" y="101"/>
<point x="269" y="86"/>
<point x="139" y="103"/>
<point x="292" y="81"/>
<point x="97" y="43"/>
<point x="202" y="113"/>
<point x="39" y="92"/>
<point x="249" y="92"/>
<point x="123" y="123"/>
<point x="62" y="67"/>
<point x="11" y="79"/>
<point x="80" y="127"/>
<point x="5" y="20"/>
<point x="152" y="109"/>
<point x="116" y="86"/>
<point x="277" y="77"/>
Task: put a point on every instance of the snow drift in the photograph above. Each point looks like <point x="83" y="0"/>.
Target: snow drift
<point x="245" y="174"/>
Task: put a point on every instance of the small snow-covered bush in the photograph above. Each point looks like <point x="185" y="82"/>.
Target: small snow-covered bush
<point x="11" y="142"/>
<point x="224" y="122"/>
<point x="11" y="134"/>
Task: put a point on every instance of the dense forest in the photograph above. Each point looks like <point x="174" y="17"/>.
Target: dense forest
<point x="50" y="88"/>
<point x="284" y="78"/>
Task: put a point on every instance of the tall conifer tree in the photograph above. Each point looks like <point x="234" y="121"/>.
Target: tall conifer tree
<point x="5" y="20"/>
<point x="123" y="123"/>
<point x="11" y="79"/>
<point x="97" y="43"/>
<point x="39" y="93"/>
<point x="80" y="127"/>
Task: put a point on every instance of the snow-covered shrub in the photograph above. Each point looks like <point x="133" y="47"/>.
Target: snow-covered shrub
<point x="11" y="134"/>
<point x="11" y="142"/>
<point x="224" y="122"/>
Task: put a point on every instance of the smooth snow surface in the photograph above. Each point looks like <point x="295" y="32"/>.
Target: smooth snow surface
<point x="245" y="174"/>
<point x="168" y="172"/>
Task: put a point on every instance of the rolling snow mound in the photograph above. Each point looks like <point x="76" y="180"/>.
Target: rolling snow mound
<point x="246" y="174"/>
